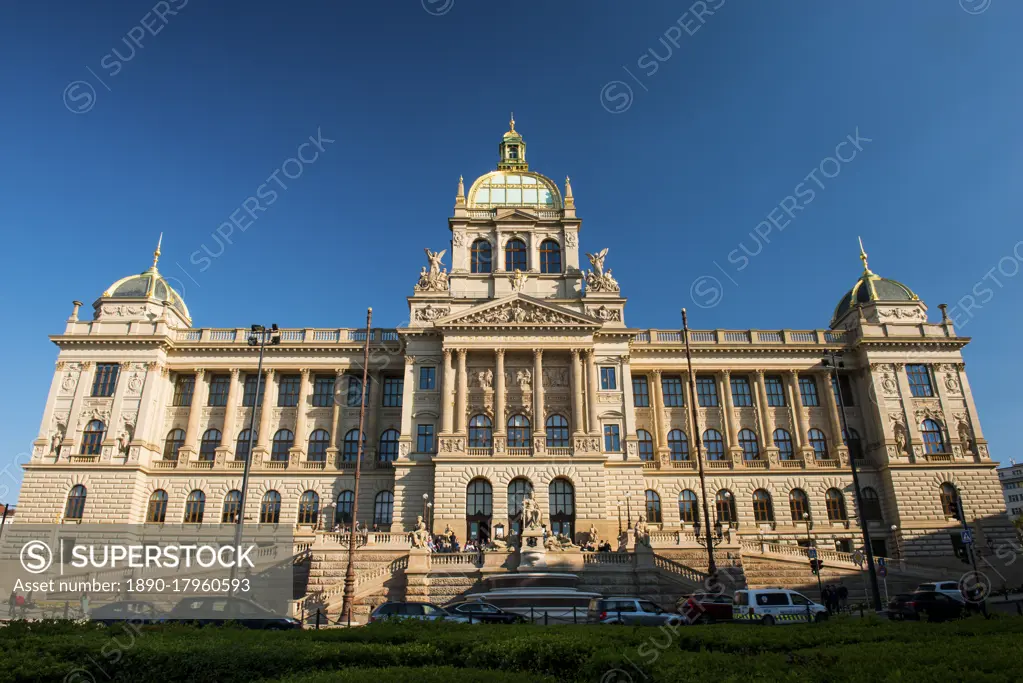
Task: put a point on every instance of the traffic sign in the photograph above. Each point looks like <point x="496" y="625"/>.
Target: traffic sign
<point x="882" y="570"/>
<point x="857" y="557"/>
<point x="880" y="562"/>
<point x="967" y="536"/>
<point x="811" y="553"/>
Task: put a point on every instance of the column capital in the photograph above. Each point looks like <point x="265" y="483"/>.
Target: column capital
<point x="759" y="374"/>
<point x="270" y="372"/>
<point x="725" y="374"/>
<point x="656" y="372"/>
<point x="499" y="353"/>
<point x="200" y="374"/>
<point x="576" y="352"/>
<point x="462" y="353"/>
<point x="234" y="372"/>
<point x="410" y="360"/>
<point x="537" y="353"/>
<point x="304" y="372"/>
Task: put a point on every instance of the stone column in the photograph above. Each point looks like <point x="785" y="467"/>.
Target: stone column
<point x="230" y="411"/>
<point x="150" y="405"/>
<point x="980" y="443"/>
<point x="340" y="394"/>
<point x="833" y="417"/>
<point x="538" y="411"/>
<point x="500" y="393"/>
<point x="199" y="398"/>
<point x="577" y="394"/>
<point x="301" y="433"/>
<point x="687" y="415"/>
<point x="51" y="400"/>
<point x="728" y="413"/>
<point x="75" y="421"/>
<point x="447" y="399"/>
<point x="660" y="437"/>
<point x="263" y="440"/>
<point x="766" y="418"/>
<point x="915" y="445"/>
<point x="591" y="394"/>
<point x="798" y="418"/>
<point x="629" y="401"/>
<point x="463" y="393"/>
<point x="408" y="387"/>
<point x="115" y="427"/>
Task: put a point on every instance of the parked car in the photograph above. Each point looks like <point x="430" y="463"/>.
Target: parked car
<point x="217" y="610"/>
<point x="899" y="608"/>
<point x="705" y="608"/>
<point x="949" y="588"/>
<point x="629" y="611"/>
<point x="771" y="606"/>
<point x="423" y="611"/>
<point x="136" y="611"/>
<point x="483" y="612"/>
<point x="934" y="606"/>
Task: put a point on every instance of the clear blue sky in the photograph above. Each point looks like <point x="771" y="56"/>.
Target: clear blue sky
<point x="749" y="100"/>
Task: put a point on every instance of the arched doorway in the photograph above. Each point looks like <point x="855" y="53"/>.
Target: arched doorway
<point x="562" y="507"/>
<point x="479" y="508"/>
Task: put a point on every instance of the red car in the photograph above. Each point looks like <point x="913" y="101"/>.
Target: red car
<point x="705" y="608"/>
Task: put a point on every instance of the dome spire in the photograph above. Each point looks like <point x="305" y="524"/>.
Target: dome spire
<point x="512" y="150"/>
<point x="156" y="254"/>
<point x="511" y="124"/>
<point x="863" y="257"/>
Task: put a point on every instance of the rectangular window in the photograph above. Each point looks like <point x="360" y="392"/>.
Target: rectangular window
<point x="424" y="439"/>
<point x="808" y="391"/>
<point x="612" y="440"/>
<point x="741" y="396"/>
<point x="428" y="378"/>
<point x="847" y="394"/>
<point x="184" y="387"/>
<point x="608" y="379"/>
<point x="775" y="391"/>
<point x="250" y="396"/>
<point x="287" y="396"/>
<point x="219" y="386"/>
<point x="105" y="380"/>
<point x="323" y="391"/>
<point x="393" y="387"/>
<point x="671" y="388"/>
<point x="706" y="392"/>
<point x="640" y="392"/>
<point x="919" y="380"/>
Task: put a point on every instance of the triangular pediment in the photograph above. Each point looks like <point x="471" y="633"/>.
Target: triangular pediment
<point x="515" y="215"/>
<point x="518" y="310"/>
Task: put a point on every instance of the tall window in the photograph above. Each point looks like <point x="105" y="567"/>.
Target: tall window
<point x="749" y="444"/>
<point x="319" y="442"/>
<point x="393" y="387"/>
<point x="479" y="507"/>
<point x="517" y="491"/>
<point x="646" y="445"/>
<point x="343" y="511"/>
<point x="871" y="505"/>
<point x="355" y="391"/>
<point x="175" y="440"/>
<point x="209" y="444"/>
<point x="74" y="510"/>
<point x="184" y="387"/>
<point x="842" y="390"/>
<point x="557" y="432"/>
<point x="480" y="256"/>
<point x="350" y="446"/>
<point x="783" y="440"/>
<point x="424" y="439"/>
<point x="852" y="440"/>
<point x="775" y="391"/>
<point x="156" y="513"/>
<point x="252" y="395"/>
<point x="309" y="508"/>
<point x="836" y="505"/>
<point x="481" y="432"/>
<point x="515" y="255"/>
<point x="323" y="391"/>
<point x="714" y="444"/>
<point x="232" y="507"/>
<point x="653" y="507"/>
<point x="388" y="451"/>
<point x="562" y="507"/>
<point x="949" y="500"/>
<point x="763" y="511"/>
<point x="640" y="391"/>
<point x="819" y="442"/>
<point x="608" y="379"/>
<point x="808" y="391"/>
<point x="741" y="395"/>
<point x="919" y="380"/>
<point x="241" y="446"/>
<point x="724" y="503"/>
<point x="706" y="392"/>
<point x="550" y="257"/>
<point x="270" y="508"/>
<point x="688" y="510"/>
<point x="671" y="387"/>
<point x="288" y="390"/>
<point x="284" y="439"/>
<point x="106" y="379"/>
<point x="220" y="385"/>
<point x="195" y="506"/>
<point x="92" y="437"/>
<point x="799" y="504"/>
<point x="383" y="509"/>
<point x="518" y="432"/>
<point x="934" y="440"/>
<point x="428" y="378"/>
<point x="678" y="445"/>
<point x="612" y="439"/>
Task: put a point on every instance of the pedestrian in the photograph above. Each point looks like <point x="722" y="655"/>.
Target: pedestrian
<point x="83" y="603"/>
<point x="843" y="595"/>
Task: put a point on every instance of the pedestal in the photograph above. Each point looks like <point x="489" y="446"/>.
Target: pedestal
<point x="532" y="553"/>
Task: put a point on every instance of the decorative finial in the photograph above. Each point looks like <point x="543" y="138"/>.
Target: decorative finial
<point x="863" y="257"/>
<point x="156" y="254"/>
<point x="568" y="188"/>
<point x="461" y="188"/>
<point x="511" y="123"/>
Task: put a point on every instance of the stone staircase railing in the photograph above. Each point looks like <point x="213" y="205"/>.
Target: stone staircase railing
<point x="364" y="583"/>
<point x="833" y="557"/>
<point x="676" y="569"/>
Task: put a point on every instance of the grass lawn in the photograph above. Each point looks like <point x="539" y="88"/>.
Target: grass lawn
<point x="841" y="650"/>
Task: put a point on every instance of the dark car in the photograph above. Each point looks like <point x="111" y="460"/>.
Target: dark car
<point x="705" y="608"/>
<point x="484" y="612"/>
<point x="421" y="611"/>
<point x="934" y="606"/>
<point x="899" y="609"/>
<point x="217" y="610"/>
<point x="135" y="611"/>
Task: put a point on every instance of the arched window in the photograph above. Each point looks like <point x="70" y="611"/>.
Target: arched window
<point x="949" y="500"/>
<point x="646" y="444"/>
<point x="319" y="442"/>
<point x="819" y="442"/>
<point x="232" y="507"/>
<point x="934" y="439"/>
<point x="157" y="511"/>
<point x="195" y="506"/>
<point x="388" y="446"/>
<point x="550" y="257"/>
<point x="284" y="439"/>
<point x="715" y="444"/>
<point x="763" y="510"/>
<point x="799" y="504"/>
<point x="209" y="444"/>
<point x="557" y="432"/>
<point x="479" y="507"/>
<point x="481" y="257"/>
<point x="343" y="510"/>
<point x="688" y="507"/>
<point x="515" y="255"/>
<point x="783" y="440"/>
<point x="853" y="442"/>
<point x="175" y="440"/>
<point x="350" y="446"/>
<point x="270" y="508"/>
<point x="678" y="445"/>
<point x="518" y="489"/>
<point x="836" y="505"/>
<point x="383" y="509"/>
<point x="561" y="497"/>
<point x="241" y="446"/>
<point x="75" y="507"/>
<point x="481" y="432"/>
<point x="518" y="431"/>
<point x="871" y="505"/>
<point x="750" y="445"/>
<point x="309" y="508"/>
<point x="653" y="507"/>
<point x="724" y="502"/>
<point x="92" y="437"/>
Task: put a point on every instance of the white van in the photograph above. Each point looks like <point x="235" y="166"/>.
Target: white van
<point x="771" y="606"/>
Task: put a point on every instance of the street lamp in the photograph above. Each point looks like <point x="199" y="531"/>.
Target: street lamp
<point x="832" y="361"/>
<point x="628" y="512"/>
<point x="711" y="565"/>
<point x="895" y="539"/>
<point x="619" y="504"/>
<point x="429" y="517"/>
<point x="810" y="543"/>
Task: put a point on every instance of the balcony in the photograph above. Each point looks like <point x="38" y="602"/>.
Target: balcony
<point x="744" y="337"/>
<point x="683" y="465"/>
<point x="318" y="336"/>
<point x="790" y="464"/>
<point x="164" y="464"/>
<point x="78" y="459"/>
<point x="480" y="452"/>
<point x="754" y="464"/>
<point x="559" y="451"/>
<point x="718" y="464"/>
<point x="517" y="451"/>
<point x="939" y="457"/>
<point x="650" y="464"/>
<point x="275" y="464"/>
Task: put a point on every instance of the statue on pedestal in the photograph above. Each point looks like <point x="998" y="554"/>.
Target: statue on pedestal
<point x="420" y="535"/>
<point x="531" y="515"/>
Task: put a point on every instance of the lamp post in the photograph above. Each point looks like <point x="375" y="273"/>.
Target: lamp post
<point x="258" y="336"/>
<point x="619" y="504"/>
<point x="832" y="361"/>
<point x="628" y="512"/>
<point x="895" y="539"/>
<point x="429" y="517"/>
<point x="810" y="543"/>
<point x="711" y="565"/>
<point x="426" y="501"/>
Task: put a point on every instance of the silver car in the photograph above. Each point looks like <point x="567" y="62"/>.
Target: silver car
<point x="421" y="611"/>
<point x="629" y="611"/>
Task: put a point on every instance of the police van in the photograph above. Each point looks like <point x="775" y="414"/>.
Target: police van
<point x="770" y="606"/>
